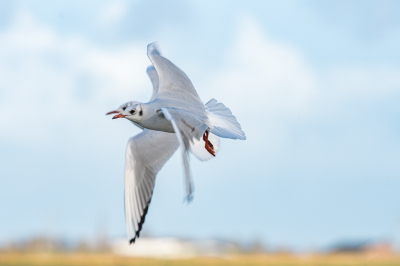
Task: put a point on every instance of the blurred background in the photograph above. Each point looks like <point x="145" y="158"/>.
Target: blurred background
<point x="314" y="84"/>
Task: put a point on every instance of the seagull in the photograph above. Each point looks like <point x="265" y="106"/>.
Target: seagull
<point x="146" y="154"/>
<point x="178" y="109"/>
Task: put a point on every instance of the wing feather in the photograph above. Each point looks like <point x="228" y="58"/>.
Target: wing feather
<point x="146" y="154"/>
<point x="174" y="84"/>
<point x="188" y="129"/>
<point x="152" y="73"/>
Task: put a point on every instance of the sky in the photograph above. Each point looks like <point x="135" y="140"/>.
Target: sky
<point x="315" y="86"/>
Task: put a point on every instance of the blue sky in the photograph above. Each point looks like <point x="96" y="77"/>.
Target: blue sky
<point x="315" y="86"/>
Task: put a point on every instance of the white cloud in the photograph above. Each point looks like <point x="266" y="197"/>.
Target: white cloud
<point x="266" y="74"/>
<point x="275" y="92"/>
<point x="44" y="79"/>
<point x="273" y="79"/>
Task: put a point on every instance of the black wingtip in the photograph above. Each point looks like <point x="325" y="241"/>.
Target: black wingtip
<point x="132" y="241"/>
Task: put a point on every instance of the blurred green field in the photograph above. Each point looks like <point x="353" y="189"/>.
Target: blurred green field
<point x="46" y="259"/>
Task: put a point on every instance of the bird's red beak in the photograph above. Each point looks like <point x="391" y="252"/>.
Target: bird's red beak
<point x="112" y="112"/>
<point x="118" y="116"/>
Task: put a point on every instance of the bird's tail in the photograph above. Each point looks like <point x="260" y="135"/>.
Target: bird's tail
<point x="221" y="121"/>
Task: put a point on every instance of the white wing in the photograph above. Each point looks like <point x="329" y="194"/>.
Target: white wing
<point x="187" y="129"/>
<point x="152" y="73"/>
<point x="146" y="154"/>
<point x="174" y="84"/>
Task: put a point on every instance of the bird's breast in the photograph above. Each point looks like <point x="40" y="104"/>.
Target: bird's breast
<point x="158" y="123"/>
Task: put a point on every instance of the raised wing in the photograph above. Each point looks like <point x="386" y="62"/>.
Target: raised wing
<point x="146" y="154"/>
<point x="187" y="129"/>
<point x="152" y="73"/>
<point x="174" y="84"/>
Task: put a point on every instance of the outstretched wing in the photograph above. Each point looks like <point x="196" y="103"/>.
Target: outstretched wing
<point x="146" y="154"/>
<point x="187" y="129"/>
<point x="152" y="73"/>
<point x="174" y="84"/>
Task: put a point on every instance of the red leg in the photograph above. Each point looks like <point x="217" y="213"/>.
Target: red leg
<point x="209" y="147"/>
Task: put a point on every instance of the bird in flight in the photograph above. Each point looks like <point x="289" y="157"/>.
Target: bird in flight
<point x="146" y="154"/>
<point x="175" y="116"/>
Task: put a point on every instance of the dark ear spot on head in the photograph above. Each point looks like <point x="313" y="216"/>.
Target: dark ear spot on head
<point x="140" y="112"/>
<point x="123" y="108"/>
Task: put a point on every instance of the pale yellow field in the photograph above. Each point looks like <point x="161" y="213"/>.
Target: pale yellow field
<point x="28" y="259"/>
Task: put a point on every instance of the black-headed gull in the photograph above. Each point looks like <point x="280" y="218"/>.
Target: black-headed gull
<point x="146" y="154"/>
<point x="178" y="109"/>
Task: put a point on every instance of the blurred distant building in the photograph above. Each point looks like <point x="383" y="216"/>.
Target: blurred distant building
<point x="368" y="247"/>
<point x="349" y="246"/>
<point x="173" y="248"/>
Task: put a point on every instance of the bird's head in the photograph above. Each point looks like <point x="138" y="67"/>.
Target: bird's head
<point x="133" y="113"/>
<point x="122" y="108"/>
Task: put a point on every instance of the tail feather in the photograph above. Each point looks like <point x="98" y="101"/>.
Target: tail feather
<point x="223" y="122"/>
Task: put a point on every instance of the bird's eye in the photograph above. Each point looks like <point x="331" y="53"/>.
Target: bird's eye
<point x="123" y="108"/>
<point x="132" y="112"/>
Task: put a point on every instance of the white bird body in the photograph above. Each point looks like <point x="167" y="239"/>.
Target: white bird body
<point x="150" y="115"/>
